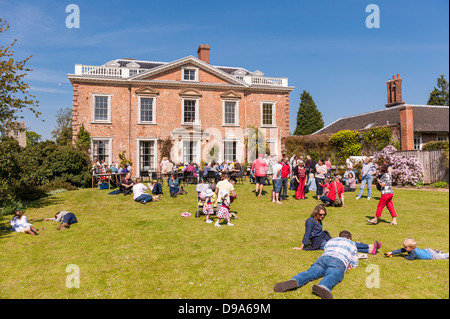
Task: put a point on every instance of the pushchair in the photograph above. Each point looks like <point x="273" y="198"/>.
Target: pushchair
<point x="204" y="193"/>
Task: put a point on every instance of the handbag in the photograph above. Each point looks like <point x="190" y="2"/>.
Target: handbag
<point x="338" y="201"/>
<point x="305" y="189"/>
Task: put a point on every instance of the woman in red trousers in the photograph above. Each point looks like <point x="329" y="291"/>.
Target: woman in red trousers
<point x="386" y="197"/>
<point x="300" y="177"/>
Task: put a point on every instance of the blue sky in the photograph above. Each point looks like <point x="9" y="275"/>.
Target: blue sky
<point x="323" y="46"/>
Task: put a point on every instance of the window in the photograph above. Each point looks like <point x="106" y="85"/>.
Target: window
<point x="230" y="150"/>
<point x="101" y="108"/>
<point x="267" y="114"/>
<point x="189" y="111"/>
<point x="230" y="113"/>
<point x="417" y="142"/>
<point x="147" y="156"/>
<point x="442" y="138"/>
<point x="189" y="74"/>
<point x="189" y="152"/>
<point x="147" y="110"/>
<point x="101" y="150"/>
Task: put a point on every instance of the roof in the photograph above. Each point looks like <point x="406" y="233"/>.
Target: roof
<point x="153" y="64"/>
<point x="427" y="119"/>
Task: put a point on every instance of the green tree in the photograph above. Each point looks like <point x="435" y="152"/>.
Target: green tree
<point x="309" y="118"/>
<point x="83" y="141"/>
<point x="63" y="131"/>
<point x="14" y="95"/>
<point x="440" y="94"/>
<point x="32" y="138"/>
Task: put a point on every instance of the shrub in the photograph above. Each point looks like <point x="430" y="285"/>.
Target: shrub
<point x="405" y="170"/>
<point x="346" y="143"/>
<point x="440" y="185"/>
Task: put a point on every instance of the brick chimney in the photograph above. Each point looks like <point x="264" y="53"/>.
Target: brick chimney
<point x="203" y="52"/>
<point x="394" y="91"/>
<point x="407" y="128"/>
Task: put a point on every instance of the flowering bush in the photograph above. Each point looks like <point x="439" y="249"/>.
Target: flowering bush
<point x="405" y="170"/>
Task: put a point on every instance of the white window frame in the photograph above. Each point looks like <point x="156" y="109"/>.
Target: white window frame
<point x="190" y="68"/>
<point x="419" y="144"/>
<point x="239" y="150"/>
<point x="198" y="154"/>
<point x="274" y="142"/>
<point x="110" y="140"/>
<point x="108" y="120"/>
<point x="236" y="112"/>
<point x="138" y="155"/>
<point x="153" y="121"/>
<point x="197" y="120"/>
<point x="273" y="113"/>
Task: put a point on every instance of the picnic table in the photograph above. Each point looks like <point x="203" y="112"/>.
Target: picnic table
<point x="115" y="176"/>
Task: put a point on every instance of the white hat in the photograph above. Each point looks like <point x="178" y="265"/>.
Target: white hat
<point x="209" y="193"/>
<point x="223" y="193"/>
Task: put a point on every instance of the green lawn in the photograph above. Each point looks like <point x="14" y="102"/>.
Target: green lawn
<point x="127" y="250"/>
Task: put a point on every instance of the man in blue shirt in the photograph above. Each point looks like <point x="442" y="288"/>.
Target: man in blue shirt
<point x="339" y="255"/>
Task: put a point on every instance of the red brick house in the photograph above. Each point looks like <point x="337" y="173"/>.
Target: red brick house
<point x="130" y="105"/>
<point x="412" y="125"/>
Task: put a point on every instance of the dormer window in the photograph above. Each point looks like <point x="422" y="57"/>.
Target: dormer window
<point x="189" y="74"/>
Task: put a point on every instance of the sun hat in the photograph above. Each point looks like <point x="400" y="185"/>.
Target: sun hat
<point x="209" y="193"/>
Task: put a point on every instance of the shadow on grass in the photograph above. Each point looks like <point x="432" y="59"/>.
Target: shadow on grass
<point x="380" y="220"/>
<point x="45" y="202"/>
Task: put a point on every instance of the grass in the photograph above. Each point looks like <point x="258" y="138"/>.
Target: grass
<point x="127" y="250"/>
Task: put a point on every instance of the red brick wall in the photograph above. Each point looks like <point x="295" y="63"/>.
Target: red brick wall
<point x="407" y="128"/>
<point x="168" y="112"/>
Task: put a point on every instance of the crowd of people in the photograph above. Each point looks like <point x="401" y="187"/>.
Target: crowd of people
<point x="303" y="175"/>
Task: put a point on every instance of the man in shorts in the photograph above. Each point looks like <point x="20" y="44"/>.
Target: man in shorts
<point x="277" y="183"/>
<point x="260" y="168"/>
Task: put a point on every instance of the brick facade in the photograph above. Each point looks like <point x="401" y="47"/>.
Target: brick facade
<point x="125" y="133"/>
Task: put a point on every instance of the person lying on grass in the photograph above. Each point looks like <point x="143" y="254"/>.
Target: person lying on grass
<point x="410" y="247"/>
<point x="318" y="237"/>
<point x="20" y="224"/>
<point x="340" y="254"/>
<point x="66" y="219"/>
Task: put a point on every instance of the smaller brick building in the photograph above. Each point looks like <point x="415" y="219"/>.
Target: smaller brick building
<point x="205" y="110"/>
<point x="411" y="125"/>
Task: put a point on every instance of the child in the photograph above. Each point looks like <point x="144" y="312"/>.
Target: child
<point x="66" y="219"/>
<point x="20" y="224"/>
<point x="327" y="182"/>
<point x="208" y="208"/>
<point x="410" y="247"/>
<point x="224" y="211"/>
<point x="311" y="182"/>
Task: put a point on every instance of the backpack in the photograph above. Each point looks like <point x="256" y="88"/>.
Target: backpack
<point x="338" y="200"/>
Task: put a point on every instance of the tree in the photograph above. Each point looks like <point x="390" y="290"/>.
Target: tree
<point x="33" y="138"/>
<point x="309" y="118"/>
<point x="14" y="95"/>
<point x="83" y="141"/>
<point x="440" y="94"/>
<point x="63" y="131"/>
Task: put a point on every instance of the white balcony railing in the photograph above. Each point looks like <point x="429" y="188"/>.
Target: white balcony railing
<point x="122" y="72"/>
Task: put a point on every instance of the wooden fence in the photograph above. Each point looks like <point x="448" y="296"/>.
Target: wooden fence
<point x="434" y="169"/>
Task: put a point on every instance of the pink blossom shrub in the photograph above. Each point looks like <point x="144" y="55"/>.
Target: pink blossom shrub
<point x="405" y="170"/>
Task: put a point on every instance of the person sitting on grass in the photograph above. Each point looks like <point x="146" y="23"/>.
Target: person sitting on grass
<point x="410" y="247"/>
<point x="315" y="238"/>
<point x="340" y="254"/>
<point x="155" y="188"/>
<point x="139" y="194"/>
<point x="66" y="219"/>
<point x="334" y="189"/>
<point x="174" y="185"/>
<point x="20" y="224"/>
<point x="126" y="184"/>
